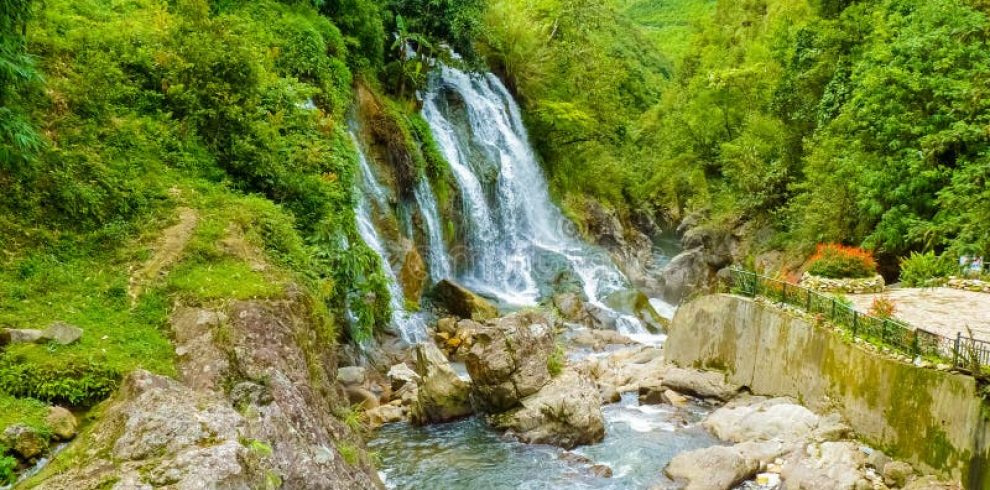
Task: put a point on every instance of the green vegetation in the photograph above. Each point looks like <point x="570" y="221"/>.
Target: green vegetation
<point x="852" y="122"/>
<point x="926" y="269"/>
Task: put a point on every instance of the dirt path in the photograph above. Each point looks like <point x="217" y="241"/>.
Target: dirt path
<point x="167" y="251"/>
<point x="941" y="310"/>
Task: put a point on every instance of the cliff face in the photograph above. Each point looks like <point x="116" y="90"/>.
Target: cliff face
<point x="931" y="418"/>
<point x="253" y="407"/>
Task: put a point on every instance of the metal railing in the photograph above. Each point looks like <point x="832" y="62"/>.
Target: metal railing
<point x="961" y="352"/>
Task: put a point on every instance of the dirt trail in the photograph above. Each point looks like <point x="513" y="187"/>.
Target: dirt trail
<point x="167" y="252"/>
<point x="941" y="310"/>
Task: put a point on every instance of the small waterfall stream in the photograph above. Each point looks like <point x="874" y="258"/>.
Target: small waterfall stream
<point x="410" y="326"/>
<point x="514" y="231"/>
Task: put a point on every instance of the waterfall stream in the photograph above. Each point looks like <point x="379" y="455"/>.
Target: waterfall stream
<point x="514" y="232"/>
<point x="410" y="326"/>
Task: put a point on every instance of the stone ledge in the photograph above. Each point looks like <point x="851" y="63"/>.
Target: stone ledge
<point x="873" y="284"/>
<point x="974" y="285"/>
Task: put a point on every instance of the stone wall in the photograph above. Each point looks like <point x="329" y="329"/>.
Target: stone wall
<point x="860" y="285"/>
<point x="974" y="285"/>
<point x="933" y="419"/>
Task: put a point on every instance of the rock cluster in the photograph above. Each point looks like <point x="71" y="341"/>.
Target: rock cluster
<point x="862" y="285"/>
<point x="974" y="285"/>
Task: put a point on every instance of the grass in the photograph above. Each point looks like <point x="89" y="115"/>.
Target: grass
<point x="25" y="411"/>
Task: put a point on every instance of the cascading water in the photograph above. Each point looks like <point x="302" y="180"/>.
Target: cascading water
<point x="437" y="259"/>
<point x="511" y="223"/>
<point x="411" y="326"/>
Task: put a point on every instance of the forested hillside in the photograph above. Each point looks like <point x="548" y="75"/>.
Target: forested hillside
<point x="857" y="122"/>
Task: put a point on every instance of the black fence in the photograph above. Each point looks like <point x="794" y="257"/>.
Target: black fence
<point x="961" y="352"/>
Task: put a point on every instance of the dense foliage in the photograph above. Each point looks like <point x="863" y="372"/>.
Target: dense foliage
<point x="853" y="122"/>
<point x="926" y="269"/>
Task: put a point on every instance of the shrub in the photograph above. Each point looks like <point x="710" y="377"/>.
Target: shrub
<point x="839" y="261"/>
<point x="556" y="361"/>
<point x="925" y="269"/>
<point x="883" y="307"/>
<point x="76" y="382"/>
<point x="7" y="466"/>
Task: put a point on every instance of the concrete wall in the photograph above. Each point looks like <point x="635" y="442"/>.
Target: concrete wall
<point x="935" y="420"/>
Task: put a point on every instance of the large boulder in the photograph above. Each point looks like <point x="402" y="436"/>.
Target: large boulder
<point x="460" y="301"/>
<point x="62" y="333"/>
<point x="400" y="375"/>
<point x="62" y="423"/>
<point x="635" y="303"/>
<point x="702" y="384"/>
<point x="20" y="336"/>
<point x="508" y="361"/>
<point x="25" y="441"/>
<point x="773" y="419"/>
<point x="834" y="465"/>
<point x="566" y="412"/>
<point x="722" y="467"/>
<point x="442" y="395"/>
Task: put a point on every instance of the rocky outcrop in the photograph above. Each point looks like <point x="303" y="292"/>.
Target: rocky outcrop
<point x="776" y="353"/>
<point x="628" y="370"/>
<point x="441" y="395"/>
<point x="508" y="361"/>
<point x="974" y="285"/>
<point x="26" y="442"/>
<point x="722" y="467"/>
<point x="461" y="302"/>
<point x="778" y="419"/>
<point x="707" y="251"/>
<point x="835" y="465"/>
<point x="566" y="412"/>
<point x="861" y="285"/>
<point x="701" y="384"/>
<point x="275" y="425"/>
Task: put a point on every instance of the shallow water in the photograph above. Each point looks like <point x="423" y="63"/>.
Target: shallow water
<point x="639" y="442"/>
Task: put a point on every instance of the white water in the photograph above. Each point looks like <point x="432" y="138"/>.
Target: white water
<point x="410" y="326"/>
<point x="510" y="219"/>
<point x="436" y="258"/>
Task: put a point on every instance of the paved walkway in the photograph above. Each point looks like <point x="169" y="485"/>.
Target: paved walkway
<point x="940" y="310"/>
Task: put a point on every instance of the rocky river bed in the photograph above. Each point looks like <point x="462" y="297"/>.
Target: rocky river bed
<point x="663" y="427"/>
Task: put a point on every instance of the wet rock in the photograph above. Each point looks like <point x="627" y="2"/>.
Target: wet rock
<point x="413" y="274"/>
<point x="460" y="301"/>
<point x="674" y="398"/>
<point x="566" y="412"/>
<point x="25" y="441"/>
<point x="62" y="423"/>
<point x="441" y="395"/>
<point x="597" y="340"/>
<point x="601" y="470"/>
<point x="62" y="333"/>
<point x="351" y="375"/>
<point x="401" y="374"/>
<point x="897" y="473"/>
<point x="447" y="325"/>
<point x="635" y="303"/>
<point x="701" y="384"/>
<point x="721" y="467"/>
<point x="651" y="395"/>
<point x="384" y="414"/>
<point x="687" y="272"/>
<point x="509" y="360"/>
<point x="833" y="465"/>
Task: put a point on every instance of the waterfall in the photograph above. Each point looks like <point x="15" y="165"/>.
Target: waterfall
<point x="436" y="258"/>
<point x="410" y="326"/>
<point x="511" y="225"/>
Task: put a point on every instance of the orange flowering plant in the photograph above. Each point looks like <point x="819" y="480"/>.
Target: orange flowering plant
<point x="839" y="261"/>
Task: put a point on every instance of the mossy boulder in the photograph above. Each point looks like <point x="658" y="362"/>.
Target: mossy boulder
<point x="412" y="275"/>
<point x="462" y="302"/>
<point x="566" y="412"/>
<point x="635" y="303"/>
<point x="26" y="442"/>
<point x="442" y="396"/>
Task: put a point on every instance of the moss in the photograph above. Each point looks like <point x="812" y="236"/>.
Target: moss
<point x="26" y="411"/>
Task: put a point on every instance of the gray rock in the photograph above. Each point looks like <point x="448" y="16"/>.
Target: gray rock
<point x="401" y="374"/>
<point x="462" y="302"/>
<point x="833" y="465"/>
<point x="351" y="375"/>
<point x="62" y="423"/>
<point x="773" y="419"/>
<point x="702" y="384"/>
<point x="25" y="441"/>
<point x="441" y="395"/>
<point x="722" y="467"/>
<point x="361" y="397"/>
<point x="567" y="412"/>
<point x="62" y="333"/>
<point x="897" y="473"/>
<point x="23" y="336"/>
<point x="508" y="360"/>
